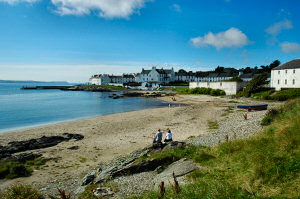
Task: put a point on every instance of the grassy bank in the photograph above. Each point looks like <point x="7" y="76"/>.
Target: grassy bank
<point x="196" y="91"/>
<point x="277" y="95"/>
<point x="264" y="166"/>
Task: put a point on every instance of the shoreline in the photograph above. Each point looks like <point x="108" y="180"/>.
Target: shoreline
<point x="47" y="124"/>
<point x="111" y="136"/>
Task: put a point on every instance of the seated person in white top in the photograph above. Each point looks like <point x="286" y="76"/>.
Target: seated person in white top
<point x="168" y="136"/>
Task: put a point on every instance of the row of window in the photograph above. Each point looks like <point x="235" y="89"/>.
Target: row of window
<point x="285" y="81"/>
<point x="294" y="71"/>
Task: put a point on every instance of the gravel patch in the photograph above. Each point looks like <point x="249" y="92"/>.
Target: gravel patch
<point x="135" y="184"/>
<point x="234" y="126"/>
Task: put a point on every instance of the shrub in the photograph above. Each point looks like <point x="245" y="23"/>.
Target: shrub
<point x="21" y="191"/>
<point x="266" y="121"/>
<point x="235" y="79"/>
<point x="206" y="91"/>
<point x="286" y="94"/>
<point x="255" y="83"/>
<point x="12" y="169"/>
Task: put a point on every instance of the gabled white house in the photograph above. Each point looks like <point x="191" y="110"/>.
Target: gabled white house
<point x="162" y="76"/>
<point x="286" y="76"/>
<point x="99" y="79"/>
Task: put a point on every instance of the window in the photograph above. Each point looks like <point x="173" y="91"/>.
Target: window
<point x="278" y="81"/>
<point x="293" y="81"/>
<point x="294" y="71"/>
<point x="221" y="84"/>
<point x="278" y="72"/>
<point x="285" y="81"/>
<point x="285" y="71"/>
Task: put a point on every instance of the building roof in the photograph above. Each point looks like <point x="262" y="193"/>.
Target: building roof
<point x="247" y="75"/>
<point x="113" y="76"/>
<point x="128" y="76"/>
<point x="163" y="71"/>
<point x="289" y="65"/>
<point x="145" y="71"/>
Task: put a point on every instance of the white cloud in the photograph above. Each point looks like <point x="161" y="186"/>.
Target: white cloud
<point x="104" y="8"/>
<point x="232" y="37"/>
<point x="176" y="7"/>
<point x="17" y="1"/>
<point x="276" y="28"/>
<point x="290" y="47"/>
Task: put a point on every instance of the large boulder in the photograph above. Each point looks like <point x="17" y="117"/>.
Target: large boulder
<point x="180" y="168"/>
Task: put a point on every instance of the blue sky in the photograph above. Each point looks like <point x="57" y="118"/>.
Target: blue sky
<point x="73" y="39"/>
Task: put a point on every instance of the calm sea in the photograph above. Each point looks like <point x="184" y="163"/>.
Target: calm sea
<point x="26" y="108"/>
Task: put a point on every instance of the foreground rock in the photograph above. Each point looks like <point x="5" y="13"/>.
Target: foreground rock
<point x="43" y="142"/>
<point x="180" y="168"/>
<point x="127" y="166"/>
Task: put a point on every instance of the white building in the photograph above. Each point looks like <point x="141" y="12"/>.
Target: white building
<point x="162" y="76"/>
<point x="111" y="79"/>
<point x="99" y="79"/>
<point x="286" y="76"/>
<point x="230" y="88"/>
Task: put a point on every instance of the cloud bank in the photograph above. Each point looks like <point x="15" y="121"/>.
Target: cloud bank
<point x="290" y="47"/>
<point x="232" y="37"/>
<point x="17" y="1"/>
<point x="276" y="28"/>
<point x="104" y="8"/>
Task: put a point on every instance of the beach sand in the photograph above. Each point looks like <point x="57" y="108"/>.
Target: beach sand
<point x="107" y="137"/>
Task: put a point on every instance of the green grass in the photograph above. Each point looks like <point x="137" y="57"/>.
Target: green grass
<point x="82" y="159"/>
<point x="179" y="90"/>
<point x="106" y="86"/>
<point x="213" y="125"/>
<point x="263" y="166"/>
<point x="13" y="169"/>
<point x="278" y="95"/>
<point x="20" y="191"/>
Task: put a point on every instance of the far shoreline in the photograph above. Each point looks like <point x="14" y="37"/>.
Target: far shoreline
<point x="49" y="124"/>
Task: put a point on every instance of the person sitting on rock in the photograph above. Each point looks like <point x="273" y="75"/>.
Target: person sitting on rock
<point x="158" y="137"/>
<point x="168" y="136"/>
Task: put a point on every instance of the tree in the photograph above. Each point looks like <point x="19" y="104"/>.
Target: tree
<point x="247" y="70"/>
<point x="219" y="69"/>
<point x="268" y="68"/>
<point x="255" y="83"/>
<point x="274" y="64"/>
<point x="182" y="71"/>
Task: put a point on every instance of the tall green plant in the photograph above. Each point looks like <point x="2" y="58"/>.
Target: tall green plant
<point x="255" y="83"/>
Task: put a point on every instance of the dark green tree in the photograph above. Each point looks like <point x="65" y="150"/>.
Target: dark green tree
<point x="255" y="83"/>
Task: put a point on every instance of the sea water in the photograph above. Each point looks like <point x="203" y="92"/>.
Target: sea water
<point x="27" y="108"/>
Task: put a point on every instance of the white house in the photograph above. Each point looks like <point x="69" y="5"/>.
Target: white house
<point x="162" y="76"/>
<point x="99" y="79"/>
<point x="183" y="76"/>
<point x="286" y="76"/>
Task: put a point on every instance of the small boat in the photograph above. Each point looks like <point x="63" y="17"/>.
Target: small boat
<point x="254" y="107"/>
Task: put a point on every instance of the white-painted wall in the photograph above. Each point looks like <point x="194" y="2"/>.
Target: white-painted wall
<point x="288" y="78"/>
<point x="95" y="81"/>
<point x="153" y="75"/>
<point x="231" y="88"/>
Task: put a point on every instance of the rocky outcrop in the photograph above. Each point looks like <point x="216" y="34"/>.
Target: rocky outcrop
<point x="43" y="142"/>
<point x="132" y="164"/>
<point x="180" y="168"/>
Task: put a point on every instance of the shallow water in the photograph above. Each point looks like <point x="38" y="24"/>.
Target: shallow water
<point x="26" y="108"/>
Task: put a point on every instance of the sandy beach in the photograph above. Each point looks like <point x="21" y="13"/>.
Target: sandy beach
<point x="107" y="137"/>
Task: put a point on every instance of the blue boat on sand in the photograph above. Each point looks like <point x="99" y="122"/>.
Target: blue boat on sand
<point x="254" y="107"/>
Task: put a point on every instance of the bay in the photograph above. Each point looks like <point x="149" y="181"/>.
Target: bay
<point x="27" y="108"/>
